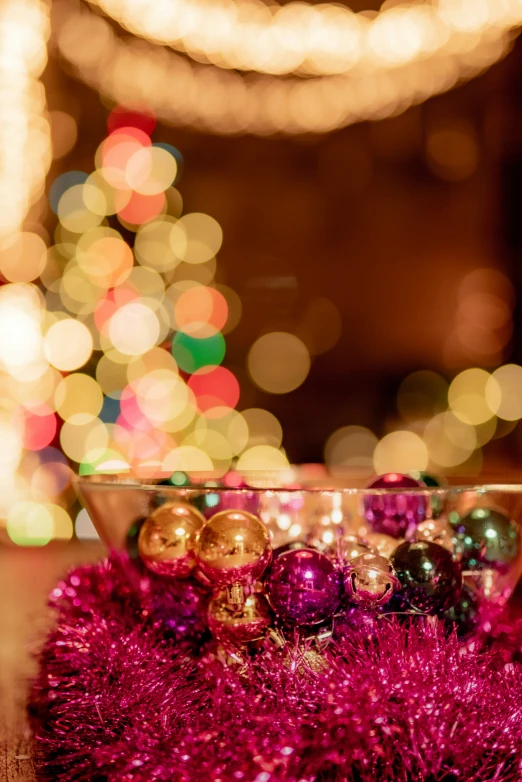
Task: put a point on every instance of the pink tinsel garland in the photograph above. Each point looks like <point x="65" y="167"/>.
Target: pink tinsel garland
<point x="132" y="688"/>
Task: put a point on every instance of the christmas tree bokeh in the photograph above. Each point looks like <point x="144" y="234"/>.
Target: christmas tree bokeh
<point x="119" y="365"/>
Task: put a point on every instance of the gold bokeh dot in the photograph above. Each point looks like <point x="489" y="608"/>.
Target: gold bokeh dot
<point x="401" y="452"/>
<point x="68" y="344"/>
<point x="278" y="362"/>
<point x="78" y="398"/>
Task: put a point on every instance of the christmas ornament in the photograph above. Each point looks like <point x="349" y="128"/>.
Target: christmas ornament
<point x="437" y="530"/>
<point x="325" y="536"/>
<point x="167" y="539"/>
<point x="394" y="480"/>
<point x="393" y="512"/>
<point x="239" y="624"/>
<point x="432" y="482"/>
<point x="350" y="547"/>
<point x="369" y="580"/>
<point x="428" y="479"/>
<point x="116" y="697"/>
<point x="303" y="587"/>
<point x="464" y="615"/>
<point x="380" y="543"/>
<point x="485" y="538"/>
<point x="431" y="579"/>
<point x="233" y="550"/>
<point x="293" y="545"/>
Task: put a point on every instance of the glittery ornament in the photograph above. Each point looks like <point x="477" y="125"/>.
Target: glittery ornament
<point x="293" y="545"/>
<point x="233" y="547"/>
<point x="485" y="538"/>
<point x="394" y="480"/>
<point x="380" y="543"/>
<point x="325" y="536"/>
<point x="432" y="482"/>
<point x="350" y="546"/>
<point x="428" y="479"/>
<point x="303" y="587"/>
<point x="167" y="539"/>
<point x="241" y="624"/>
<point x="369" y="580"/>
<point x="394" y="512"/>
<point x="431" y="579"/>
<point x="436" y="530"/>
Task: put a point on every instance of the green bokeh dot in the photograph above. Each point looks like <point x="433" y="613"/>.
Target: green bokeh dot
<point x="192" y="354"/>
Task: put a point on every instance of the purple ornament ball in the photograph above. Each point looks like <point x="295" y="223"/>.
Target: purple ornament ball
<point x="394" y="480"/>
<point x="293" y="545"/>
<point x="304" y="587"/>
<point x="393" y="512"/>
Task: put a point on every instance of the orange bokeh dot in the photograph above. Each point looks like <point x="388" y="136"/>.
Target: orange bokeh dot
<point x="142" y="208"/>
<point x="214" y="387"/>
<point x="111" y="303"/>
<point x="108" y="261"/>
<point x="199" y="307"/>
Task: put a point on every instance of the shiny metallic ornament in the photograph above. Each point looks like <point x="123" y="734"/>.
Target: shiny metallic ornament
<point x="432" y="482"/>
<point x="485" y="538"/>
<point x="381" y="544"/>
<point x="304" y="659"/>
<point x="238" y="624"/>
<point x="326" y="536"/>
<point x="396" y="503"/>
<point x="293" y="545"/>
<point x="437" y="530"/>
<point x="351" y="547"/>
<point x="303" y="587"/>
<point x="431" y="579"/>
<point x="428" y="479"/>
<point x="233" y="550"/>
<point x="370" y="580"/>
<point x="465" y="614"/>
<point x="167" y="539"/>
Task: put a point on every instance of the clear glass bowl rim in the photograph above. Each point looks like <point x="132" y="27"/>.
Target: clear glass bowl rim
<point x="123" y="481"/>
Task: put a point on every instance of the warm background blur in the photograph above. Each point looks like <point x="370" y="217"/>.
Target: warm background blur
<point x="361" y="302"/>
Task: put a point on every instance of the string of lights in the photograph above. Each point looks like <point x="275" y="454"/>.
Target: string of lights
<point x="25" y="145"/>
<point x="321" y="39"/>
<point x="181" y="92"/>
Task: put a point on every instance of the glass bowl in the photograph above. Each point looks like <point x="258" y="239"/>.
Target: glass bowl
<point x="322" y="517"/>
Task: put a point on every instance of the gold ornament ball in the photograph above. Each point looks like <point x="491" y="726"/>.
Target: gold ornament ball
<point x="351" y="546"/>
<point x="233" y="547"/>
<point x="326" y="537"/>
<point x="168" y="537"/>
<point x="381" y="543"/>
<point x="436" y="530"/>
<point x="233" y="624"/>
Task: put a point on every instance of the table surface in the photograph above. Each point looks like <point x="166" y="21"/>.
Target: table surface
<point x="26" y="578"/>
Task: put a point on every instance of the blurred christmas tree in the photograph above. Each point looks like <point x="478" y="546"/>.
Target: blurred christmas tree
<point x="129" y="338"/>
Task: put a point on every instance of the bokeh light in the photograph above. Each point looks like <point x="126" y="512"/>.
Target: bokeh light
<point x="68" y="344"/>
<point x="503" y="392"/>
<point x="467" y="396"/>
<point x="400" y="451"/>
<point x="278" y="362"/>
<point x="372" y="65"/>
<point x="111" y="350"/>
<point x="352" y="447"/>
